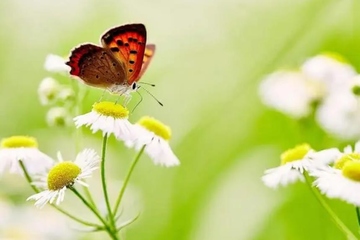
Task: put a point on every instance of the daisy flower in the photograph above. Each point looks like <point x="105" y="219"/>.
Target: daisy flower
<point x="108" y="117"/>
<point x="155" y="135"/>
<point x="290" y="92"/>
<point x="48" y="90"/>
<point x="24" y="148"/>
<point x="293" y="164"/>
<point x="341" y="181"/>
<point x="339" y="113"/>
<point x="66" y="94"/>
<point x="330" y="69"/>
<point x="63" y="175"/>
<point x="55" y="63"/>
<point x="59" y="116"/>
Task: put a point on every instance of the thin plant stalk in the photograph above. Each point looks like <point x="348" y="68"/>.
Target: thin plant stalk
<point x="358" y="216"/>
<point x="108" y="229"/>
<point x="127" y="178"/>
<point x="103" y="182"/>
<point x="340" y="224"/>
<point x="79" y="134"/>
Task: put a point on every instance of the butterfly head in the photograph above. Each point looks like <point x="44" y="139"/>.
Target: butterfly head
<point x="123" y="89"/>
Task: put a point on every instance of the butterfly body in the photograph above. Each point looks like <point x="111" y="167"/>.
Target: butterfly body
<point x="116" y="66"/>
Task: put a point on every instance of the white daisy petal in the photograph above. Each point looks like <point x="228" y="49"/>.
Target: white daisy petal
<point x="295" y="162"/>
<point x="290" y="92"/>
<point x="160" y="152"/>
<point x="333" y="184"/>
<point x="281" y="176"/>
<point x="34" y="160"/>
<point x="108" y="117"/>
<point x="329" y="69"/>
<point x="322" y="158"/>
<point x="156" y="145"/>
<point x="55" y="63"/>
<point x="339" y="115"/>
<point x="348" y="149"/>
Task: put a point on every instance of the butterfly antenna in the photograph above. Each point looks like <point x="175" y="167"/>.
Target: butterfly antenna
<point x="153" y="97"/>
<point x="150" y="84"/>
<point x="141" y="98"/>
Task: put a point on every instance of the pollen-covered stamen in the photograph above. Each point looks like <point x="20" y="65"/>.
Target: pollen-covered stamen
<point x="296" y="153"/>
<point x="18" y="142"/>
<point x="63" y="175"/>
<point x="111" y="109"/>
<point x="156" y="127"/>
<point x="352" y="170"/>
<point x="350" y="157"/>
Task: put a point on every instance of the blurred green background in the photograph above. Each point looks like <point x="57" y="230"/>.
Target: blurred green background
<point x="210" y="58"/>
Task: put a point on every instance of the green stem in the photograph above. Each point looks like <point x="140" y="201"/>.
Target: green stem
<point x="77" y="219"/>
<point x="29" y="180"/>
<point x="103" y="181"/>
<point x="127" y="178"/>
<point x="89" y="196"/>
<point x="358" y="215"/>
<point x="88" y="205"/>
<point x="342" y="227"/>
<point x="27" y="176"/>
<point x="77" y="108"/>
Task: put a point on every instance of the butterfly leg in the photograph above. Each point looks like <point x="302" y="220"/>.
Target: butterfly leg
<point x="141" y="98"/>
<point x="127" y="98"/>
<point x="102" y="95"/>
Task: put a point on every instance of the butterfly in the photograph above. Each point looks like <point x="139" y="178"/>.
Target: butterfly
<point x="118" y="64"/>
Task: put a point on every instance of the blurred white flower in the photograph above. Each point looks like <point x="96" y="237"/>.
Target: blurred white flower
<point x="330" y="69"/>
<point x="23" y="148"/>
<point x="19" y="223"/>
<point x="290" y="92"/>
<point x="294" y="162"/>
<point x="63" y="175"/>
<point x="155" y="135"/>
<point x="59" y="116"/>
<point x="48" y="90"/>
<point x="55" y="63"/>
<point x="108" y="117"/>
<point x="339" y="113"/>
<point x="343" y="179"/>
<point x="66" y="94"/>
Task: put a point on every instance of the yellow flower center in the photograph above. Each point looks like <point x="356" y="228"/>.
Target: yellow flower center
<point x="111" y="109"/>
<point x="350" y="157"/>
<point x="18" y="142"/>
<point x="337" y="57"/>
<point x="294" y="154"/>
<point x="156" y="127"/>
<point x="63" y="175"/>
<point x="352" y="170"/>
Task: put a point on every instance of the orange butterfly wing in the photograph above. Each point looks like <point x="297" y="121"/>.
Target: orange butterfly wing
<point x="148" y="54"/>
<point x="96" y="66"/>
<point x="127" y="44"/>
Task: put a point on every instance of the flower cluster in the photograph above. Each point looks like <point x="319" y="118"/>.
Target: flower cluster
<point x="336" y="173"/>
<point x="107" y="117"/>
<point x="60" y="97"/>
<point x="51" y="179"/>
<point x="326" y="85"/>
<point x="111" y="118"/>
